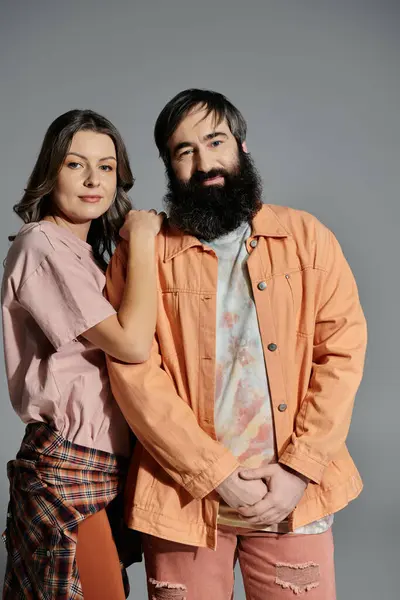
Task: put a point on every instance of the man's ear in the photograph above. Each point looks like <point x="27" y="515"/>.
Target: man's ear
<point x="244" y="147"/>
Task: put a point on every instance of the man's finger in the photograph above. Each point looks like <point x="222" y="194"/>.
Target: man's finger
<point x="268" y="518"/>
<point x="257" y="509"/>
<point x="259" y="473"/>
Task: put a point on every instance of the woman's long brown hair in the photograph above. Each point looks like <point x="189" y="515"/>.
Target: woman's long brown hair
<point x="36" y="201"/>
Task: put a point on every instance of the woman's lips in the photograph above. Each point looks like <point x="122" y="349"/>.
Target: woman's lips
<point x="90" y="199"/>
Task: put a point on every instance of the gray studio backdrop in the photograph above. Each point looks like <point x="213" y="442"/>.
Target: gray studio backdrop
<point x="318" y="82"/>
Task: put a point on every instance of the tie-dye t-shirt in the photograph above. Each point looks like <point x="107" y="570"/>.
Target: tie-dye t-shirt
<point x="243" y="415"/>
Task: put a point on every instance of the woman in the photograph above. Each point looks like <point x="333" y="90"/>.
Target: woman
<point x="57" y="326"/>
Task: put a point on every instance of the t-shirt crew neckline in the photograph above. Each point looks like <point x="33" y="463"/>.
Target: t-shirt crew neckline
<point x="231" y="236"/>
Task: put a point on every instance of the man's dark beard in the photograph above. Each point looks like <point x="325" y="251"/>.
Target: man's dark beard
<point x="210" y="211"/>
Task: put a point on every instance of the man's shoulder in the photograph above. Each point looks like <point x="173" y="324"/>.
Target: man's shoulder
<point x="296" y="222"/>
<point x="311" y="237"/>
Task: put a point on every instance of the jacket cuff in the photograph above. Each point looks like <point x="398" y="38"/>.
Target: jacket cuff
<point x="303" y="463"/>
<point x="206" y="482"/>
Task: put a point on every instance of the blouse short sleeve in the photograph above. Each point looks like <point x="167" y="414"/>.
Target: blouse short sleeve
<point x="64" y="297"/>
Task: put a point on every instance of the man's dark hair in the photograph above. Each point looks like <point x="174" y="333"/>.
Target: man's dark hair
<point x="177" y="108"/>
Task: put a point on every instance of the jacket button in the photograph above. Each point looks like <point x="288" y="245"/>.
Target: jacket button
<point x="272" y="347"/>
<point x="262" y="285"/>
<point x="282" y="407"/>
<point x="253" y="243"/>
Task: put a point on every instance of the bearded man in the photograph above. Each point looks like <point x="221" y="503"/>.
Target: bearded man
<point x="242" y="411"/>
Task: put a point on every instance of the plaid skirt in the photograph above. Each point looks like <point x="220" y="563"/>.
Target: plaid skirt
<point x="54" y="485"/>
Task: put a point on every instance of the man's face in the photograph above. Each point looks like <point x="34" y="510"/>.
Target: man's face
<point x="201" y="145"/>
<point x="213" y="185"/>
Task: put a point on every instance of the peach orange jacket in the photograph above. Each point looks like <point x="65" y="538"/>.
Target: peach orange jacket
<point x="314" y="338"/>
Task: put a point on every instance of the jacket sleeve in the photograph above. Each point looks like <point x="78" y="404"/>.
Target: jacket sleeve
<point x="163" y="423"/>
<point x="340" y="338"/>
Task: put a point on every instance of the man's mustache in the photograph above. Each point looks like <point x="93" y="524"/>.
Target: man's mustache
<point x="201" y="176"/>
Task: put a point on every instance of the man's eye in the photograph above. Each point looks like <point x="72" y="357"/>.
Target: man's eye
<point x="216" y="143"/>
<point x="186" y="153"/>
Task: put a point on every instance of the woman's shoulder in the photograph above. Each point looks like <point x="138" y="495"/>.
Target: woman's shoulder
<point x="33" y="244"/>
<point x="44" y="237"/>
<point x="32" y="238"/>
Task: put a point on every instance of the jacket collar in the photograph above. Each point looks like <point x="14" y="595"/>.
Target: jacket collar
<point x="264" y="224"/>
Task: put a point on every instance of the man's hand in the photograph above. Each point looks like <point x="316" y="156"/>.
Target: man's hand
<point x="235" y="491"/>
<point x="285" y="490"/>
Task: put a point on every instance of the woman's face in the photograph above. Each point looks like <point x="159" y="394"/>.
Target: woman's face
<point x="87" y="182"/>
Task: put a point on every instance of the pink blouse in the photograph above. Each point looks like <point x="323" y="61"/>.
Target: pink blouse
<point x="52" y="292"/>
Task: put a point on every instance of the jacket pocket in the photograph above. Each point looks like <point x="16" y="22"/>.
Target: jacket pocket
<point x="170" y="301"/>
<point x="298" y="282"/>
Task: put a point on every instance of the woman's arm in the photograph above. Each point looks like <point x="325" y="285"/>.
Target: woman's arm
<point x="128" y="335"/>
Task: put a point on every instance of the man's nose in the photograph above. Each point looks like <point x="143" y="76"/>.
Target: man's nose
<point x="203" y="161"/>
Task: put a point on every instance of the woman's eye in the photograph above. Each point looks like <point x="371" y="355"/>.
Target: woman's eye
<point x="106" y="168"/>
<point x="74" y="165"/>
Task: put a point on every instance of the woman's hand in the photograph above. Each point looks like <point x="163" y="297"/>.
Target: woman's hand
<point x="141" y="222"/>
